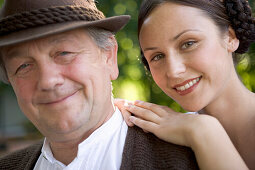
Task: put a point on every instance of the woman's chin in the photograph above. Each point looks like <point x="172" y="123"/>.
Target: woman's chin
<point x="191" y="108"/>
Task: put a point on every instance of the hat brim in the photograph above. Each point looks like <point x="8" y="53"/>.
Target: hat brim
<point x="113" y="24"/>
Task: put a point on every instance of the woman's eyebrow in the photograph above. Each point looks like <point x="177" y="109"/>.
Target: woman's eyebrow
<point x="150" y="48"/>
<point x="183" y="32"/>
<point x="172" y="39"/>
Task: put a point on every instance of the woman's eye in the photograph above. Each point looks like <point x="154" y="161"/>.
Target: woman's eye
<point x="188" y="44"/>
<point x="157" y="57"/>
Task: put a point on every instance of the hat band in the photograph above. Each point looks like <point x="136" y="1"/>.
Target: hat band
<point x="46" y="16"/>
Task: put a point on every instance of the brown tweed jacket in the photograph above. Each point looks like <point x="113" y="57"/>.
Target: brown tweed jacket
<point x="142" y="151"/>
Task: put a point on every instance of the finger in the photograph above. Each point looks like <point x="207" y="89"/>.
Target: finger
<point x="159" y="110"/>
<point x="145" y="131"/>
<point x="119" y="102"/>
<point x="126" y="114"/>
<point x="143" y="113"/>
<point x="143" y="124"/>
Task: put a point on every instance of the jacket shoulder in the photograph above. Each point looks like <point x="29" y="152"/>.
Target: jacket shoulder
<point x="146" y="151"/>
<point x="22" y="159"/>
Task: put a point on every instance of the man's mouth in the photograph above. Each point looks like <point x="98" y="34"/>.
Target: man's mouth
<point x="55" y="101"/>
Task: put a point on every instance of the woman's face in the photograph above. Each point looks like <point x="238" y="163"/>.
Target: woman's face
<point x="189" y="58"/>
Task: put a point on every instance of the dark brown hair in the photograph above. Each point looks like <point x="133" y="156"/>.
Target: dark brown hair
<point x="234" y="13"/>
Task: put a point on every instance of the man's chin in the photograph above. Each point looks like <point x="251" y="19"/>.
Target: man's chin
<point x="62" y="132"/>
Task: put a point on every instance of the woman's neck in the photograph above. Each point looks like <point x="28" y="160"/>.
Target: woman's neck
<point x="234" y="108"/>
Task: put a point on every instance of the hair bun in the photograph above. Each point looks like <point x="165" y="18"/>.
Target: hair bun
<point x="240" y="17"/>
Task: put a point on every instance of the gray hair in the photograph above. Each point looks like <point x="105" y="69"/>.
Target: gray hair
<point x="103" y="38"/>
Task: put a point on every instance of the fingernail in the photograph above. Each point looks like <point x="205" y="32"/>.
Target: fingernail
<point x="126" y="103"/>
<point x="145" y="131"/>
<point x="129" y="105"/>
<point x="131" y="119"/>
<point x="138" y="101"/>
<point x="129" y="123"/>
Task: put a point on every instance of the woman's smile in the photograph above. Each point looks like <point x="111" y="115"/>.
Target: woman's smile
<point x="187" y="86"/>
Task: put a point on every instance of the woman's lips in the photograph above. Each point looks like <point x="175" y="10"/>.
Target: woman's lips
<point x="187" y="86"/>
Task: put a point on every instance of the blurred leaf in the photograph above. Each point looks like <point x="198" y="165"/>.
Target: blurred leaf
<point x="120" y="9"/>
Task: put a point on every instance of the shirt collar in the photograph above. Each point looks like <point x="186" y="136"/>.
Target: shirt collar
<point x="104" y="132"/>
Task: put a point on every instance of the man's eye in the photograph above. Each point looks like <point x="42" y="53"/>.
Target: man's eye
<point x="65" y="57"/>
<point x="157" y="57"/>
<point x="63" y="53"/>
<point x="22" y="67"/>
<point x="188" y="44"/>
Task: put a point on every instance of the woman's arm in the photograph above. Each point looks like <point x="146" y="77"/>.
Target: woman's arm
<point x="204" y="134"/>
<point x="213" y="147"/>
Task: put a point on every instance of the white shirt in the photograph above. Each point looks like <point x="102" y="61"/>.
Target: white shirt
<point x="102" y="150"/>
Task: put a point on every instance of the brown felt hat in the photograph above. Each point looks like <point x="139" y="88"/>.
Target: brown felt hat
<point x="22" y="20"/>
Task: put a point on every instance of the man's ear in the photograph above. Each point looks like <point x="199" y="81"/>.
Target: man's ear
<point x="111" y="59"/>
<point x="233" y="42"/>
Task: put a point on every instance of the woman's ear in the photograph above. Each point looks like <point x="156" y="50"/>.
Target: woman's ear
<point x="233" y="42"/>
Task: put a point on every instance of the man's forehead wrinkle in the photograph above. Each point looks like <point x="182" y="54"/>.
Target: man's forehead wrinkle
<point x="21" y="50"/>
<point x="9" y="52"/>
<point x="17" y="50"/>
<point x="64" y="37"/>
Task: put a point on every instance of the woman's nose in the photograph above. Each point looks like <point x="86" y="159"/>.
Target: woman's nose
<point x="175" y="66"/>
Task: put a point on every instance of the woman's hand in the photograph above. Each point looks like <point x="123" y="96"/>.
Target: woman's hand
<point x="162" y="121"/>
<point x="204" y="134"/>
<point x="121" y="103"/>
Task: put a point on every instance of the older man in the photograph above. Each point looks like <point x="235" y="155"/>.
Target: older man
<point x="60" y="57"/>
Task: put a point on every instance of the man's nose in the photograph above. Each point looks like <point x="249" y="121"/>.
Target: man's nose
<point x="175" y="66"/>
<point x="49" y="76"/>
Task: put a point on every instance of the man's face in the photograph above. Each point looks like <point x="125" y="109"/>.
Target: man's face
<point x="63" y="83"/>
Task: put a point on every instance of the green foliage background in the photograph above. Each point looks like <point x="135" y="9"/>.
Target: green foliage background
<point x="133" y="82"/>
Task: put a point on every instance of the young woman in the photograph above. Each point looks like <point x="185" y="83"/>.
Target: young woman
<point x="190" y="46"/>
